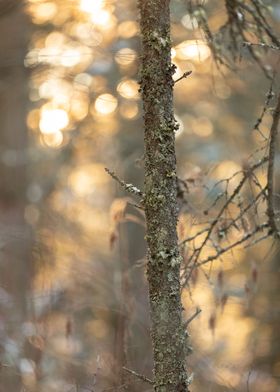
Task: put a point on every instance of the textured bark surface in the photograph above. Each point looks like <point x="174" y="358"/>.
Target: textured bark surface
<point x="156" y="84"/>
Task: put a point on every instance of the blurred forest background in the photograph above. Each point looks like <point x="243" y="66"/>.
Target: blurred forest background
<point x="73" y="295"/>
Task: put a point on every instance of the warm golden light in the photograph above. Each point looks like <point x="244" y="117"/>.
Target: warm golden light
<point x="79" y="106"/>
<point x="82" y="183"/>
<point x="50" y="55"/>
<point x="33" y="119"/>
<point x="106" y="104"/>
<point x="53" y="140"/>
<point x="125" y="56"/>
<point x="91" y="6"/>
<point x="56" y="90"/>
<point x="195" y="50"/>
<point x="83" y="58"/>
<point x="128" y="29"/>
<point x="101" y="18"/>
<point x="128" y="89"/>
<point x="129" y="110"/>
<point x="202" y="127"/>
<point x="70" y="57"/>
<point x="85" y="180"/>
<point x="83" y="79"/>
<point x="228" y="169"/>
<point x="43" y="12"/>
<point x="56" y="39"/>
<point x="85" y="33"/>
<point x="53" y="120"/>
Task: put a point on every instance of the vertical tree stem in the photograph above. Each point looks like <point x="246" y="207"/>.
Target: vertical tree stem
<point x="270" y="170"/>
<point x="156" y="84"/>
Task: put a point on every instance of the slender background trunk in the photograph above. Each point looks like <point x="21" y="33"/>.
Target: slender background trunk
<point x="156" y="83"/>
<point x="15" y="234"/>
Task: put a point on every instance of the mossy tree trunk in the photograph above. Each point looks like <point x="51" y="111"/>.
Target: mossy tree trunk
<point x="156" y="83"/>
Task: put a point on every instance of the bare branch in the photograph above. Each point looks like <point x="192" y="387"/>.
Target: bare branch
<point x="234" y="244"/>
<point x="197" y="312"/>
<point x="242" y="18"/>
<point x="185" y="75"/>
<point x="128" y="187"/>
<point x="139" y="376"/>
<point x="237" y="190"/>
<point x="262" y="45"/>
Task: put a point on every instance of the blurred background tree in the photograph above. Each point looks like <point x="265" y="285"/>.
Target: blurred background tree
<point x="70" y="107"/>
<point x="16" y="260"/>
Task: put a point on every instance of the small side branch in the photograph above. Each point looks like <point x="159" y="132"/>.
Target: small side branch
<point x="259" y="121"/>
<point x="234" y="244"/>
<point x="246" y="175"/>
<point x="139" y="376"/>
<point x="185" y="75"/>
<point x="262" y="45"/>
<point x="128" y="187"/>
<point x="270" y="169"/>
<point x="197" y="312"/>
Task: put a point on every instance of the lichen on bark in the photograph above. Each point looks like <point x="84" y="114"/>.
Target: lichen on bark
<point x="156" y="86"/>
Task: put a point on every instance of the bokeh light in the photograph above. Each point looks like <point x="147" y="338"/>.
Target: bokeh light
<point x="195" y="50"/>
<point x="53" y="140"/>
<point x="85" y="114"/>
<point x="53" y="120"/>
<point x="106" y="104"/>
<point x="128" y="89"/>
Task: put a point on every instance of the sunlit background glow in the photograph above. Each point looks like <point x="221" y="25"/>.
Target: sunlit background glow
<point x="105" y="104"/>
<point x="86" y="115"/>
<point x="196" y="50"/>
<point x="53" y="120"/>
<point x="91" y="6"/>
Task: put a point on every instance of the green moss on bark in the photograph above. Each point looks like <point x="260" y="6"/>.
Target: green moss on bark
<point x="156" y="86"/>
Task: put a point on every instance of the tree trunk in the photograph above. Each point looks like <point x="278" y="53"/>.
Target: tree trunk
<point x="15" y="234"/>
<point x="168" y="335"/>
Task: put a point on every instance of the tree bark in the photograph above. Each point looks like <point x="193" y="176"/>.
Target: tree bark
<point x="156" y="85"/>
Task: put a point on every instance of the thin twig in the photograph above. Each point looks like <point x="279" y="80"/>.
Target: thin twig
<point x="262" y="45"/>
<point x="260" y="20"/>
<point x="140" y="376"/>
<point x="137" y="206"/>
<point x="233" y="245"/>
<point x="257" y="240"/>
<point x="197" y="312"/>
<point x="236" y="191"/>
<point x="128" y="187"/>
<point x="185" y="75"/>
<point x="195" y="256"/>
<point x="242" y="213"/>
<point x="193" y="237"/>
<point x="259" y="121"/>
